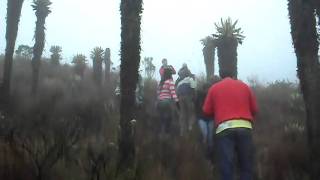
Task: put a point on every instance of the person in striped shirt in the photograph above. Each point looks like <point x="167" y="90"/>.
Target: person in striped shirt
<point x="167" y="98"/>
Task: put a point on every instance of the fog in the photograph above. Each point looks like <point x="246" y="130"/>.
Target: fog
<point x="169" y="29"/>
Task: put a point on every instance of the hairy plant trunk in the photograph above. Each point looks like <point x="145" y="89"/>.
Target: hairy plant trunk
<point x="227" y="56"/>
<point x="208" y="54"/>
<point x="97" y="71"/>
<point x="107" y="61"/>
<point x="130" y="59"/>
<point x="13" y="17"/>
<point x="304" y="36"/>
<point x="37" y="52"/>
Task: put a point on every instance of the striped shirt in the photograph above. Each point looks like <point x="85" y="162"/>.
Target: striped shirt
<point x="167" y="91"/>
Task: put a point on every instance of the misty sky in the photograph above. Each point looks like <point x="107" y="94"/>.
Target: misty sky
<point x="171" y="29"/>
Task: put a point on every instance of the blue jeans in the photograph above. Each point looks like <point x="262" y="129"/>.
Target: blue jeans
<point x="235" y="141"/>
<point x="206" y="127"/>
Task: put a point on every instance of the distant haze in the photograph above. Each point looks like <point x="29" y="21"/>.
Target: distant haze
<point x="171" y="29"/>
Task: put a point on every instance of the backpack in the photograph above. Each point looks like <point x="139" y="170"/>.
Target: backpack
<point x="184" y="87"/>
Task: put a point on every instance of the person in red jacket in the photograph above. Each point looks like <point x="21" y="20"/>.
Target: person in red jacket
<point x="233" y="106"/>
<point x="166" y="66"/>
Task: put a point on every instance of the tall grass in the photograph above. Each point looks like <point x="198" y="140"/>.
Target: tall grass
<point x="75" y="123"/>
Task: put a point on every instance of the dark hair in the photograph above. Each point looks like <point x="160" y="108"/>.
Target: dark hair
<point x="214" y="79"/>
<point x="226" y="73"/>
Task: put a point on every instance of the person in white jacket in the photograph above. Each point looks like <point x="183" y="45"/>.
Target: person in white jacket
<point x="186" y="94"/>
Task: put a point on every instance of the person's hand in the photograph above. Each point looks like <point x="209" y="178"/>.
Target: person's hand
<point x="173" y="71"/>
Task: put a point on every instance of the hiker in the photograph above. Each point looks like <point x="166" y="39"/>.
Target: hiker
<point x="138" y="91"/>
<point x="233" y="106"/>
<point x="183" y="72"/>
<point x="167" y="99"/>
<point x="166" y="66"/>
<point x="186" y="94"/>
<point x="206" y="124"/>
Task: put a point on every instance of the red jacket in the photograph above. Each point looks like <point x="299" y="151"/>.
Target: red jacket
<point x="230" y="99"/>
<point x="161" y="70"/>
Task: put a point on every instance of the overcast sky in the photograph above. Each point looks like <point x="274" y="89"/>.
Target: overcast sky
<point x="171" y="29"/>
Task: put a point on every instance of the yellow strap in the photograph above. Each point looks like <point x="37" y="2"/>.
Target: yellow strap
<point x="234" y="123"/>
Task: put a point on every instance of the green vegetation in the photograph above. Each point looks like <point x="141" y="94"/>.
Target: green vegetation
<point x="42" y="10"/>
<point x="149" y="68"/>
<point x="108" y="63"/>
<point x="227" y="38"/>
<point x="97" y="58"/>
<point x="306" y="45"/>
<point x="71" y="125"/>
<point x="209" y="47"/>
<point x="130" y="48"/>
<point x="24" y="51"/>
<point x="55" y="54"/>
<point x="13" y="17"/>
<point x="76" y="128"/>
<point x="80" y="64"/>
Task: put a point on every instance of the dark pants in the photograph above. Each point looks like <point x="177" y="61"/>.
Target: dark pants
<point x="165" y="110"/>
<point x="187" y="114"/>
<point x="235" y="141"/>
